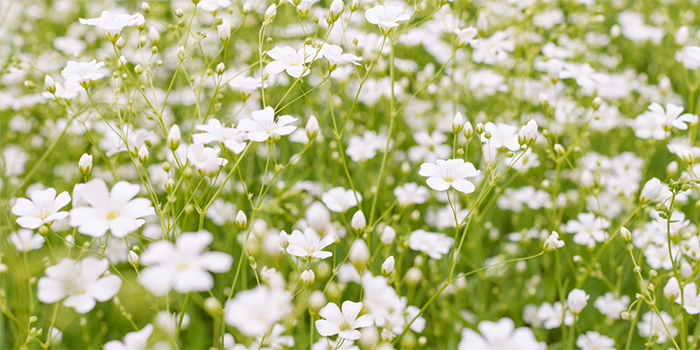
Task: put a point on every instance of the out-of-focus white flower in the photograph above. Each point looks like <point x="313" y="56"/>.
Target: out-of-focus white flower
<point x="309" y="244"/>
<point x="433" y="244"/>
<point x="224" y="30"/>
<point x="132" y="341"/>
<point x="79" y="282"/>
<point x="182" y="266"/>
<point x="205" y="159"/>
<point x="253" y="312"/>
<point x="113" y="25"/>
<point x="386" y="17"/>
<point x="577" y="300"/>
<point x="499" y="335"/>
<point x="26" y="240"/>
<point x="339" y="200"/>
<point x="553" y="242"/>
<point x="82" y="73"/>
<point x="214" y="131"/>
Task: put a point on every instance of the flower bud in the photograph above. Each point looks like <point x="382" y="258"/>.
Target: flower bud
<point x="596" y="103"/>
<point x="358" y="222"/>
<point x="312" y="127"/>
<point x="179" y="13"/>
<point x="553" y="242"/>
<point x="154" y="36"/>
<point x="174" y="137"/>
<point x="336" y="10"/>
<point x="682" y="35"/>
<point x="651" y="190"/>
<point x="49" y="84"/>
<point x="388" y="235"/>
<point x="468" y="130"/>
<point x="181" y="52"/>
<point x="85" y="164"/>
<point x="271" y="13"/>
<point x="559" y="149"/>
<point x="144" y="155"/>
<point x="413" y="276"/>
<point x="283" y="239"/>
<point x="528" y="133"/>
<point x="457" y="123"/>
<point x="544" y="100"/>
<point x="354" y="5"/>
<point x="138" y="69"/>
<point x="145" y="7"/>
<point x="577" y="300"/>
<point x="241" y="219"/>
<point x="308" y="277"/>
<point x="220" y="68"/>
<point x="672" y="289"/>
<point x="120" y="43"/>
<point x="625" y="234"/>
<point x="224" y="30"/>
<point x="686" y="155"/>
<point x="359" y="254"/>
<point x="317" y="301"/>
<point x="388" y="266"/>
<point x="479" y="128"/>
<point x="133" y="258"/>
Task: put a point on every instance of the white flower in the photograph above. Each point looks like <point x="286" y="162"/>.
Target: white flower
<point x="182" y="266"/>
<point x="691" y="300"/>
<point x="256" y="310"/>
<point x="672" y="290"/>
<point x="672" y="117"/>
<point x="466" y="35"/>
<point x="595" y="341"/>
<point x="502" y="136"/>
<point x="444" y="174"/>
<point x="246" y="85"/>
<point x="26" y="240"/>
<point x="553" y="314"/>
<point x="388" y="265"/>
<point x="499" y="335"/>
<point x="386" y="17"/>
<point x="588" y="229"/>
<point x="339" y="200"/>
<point x="577" y="300"/>
<point x="290" y="60"/>
<point x="85" y="163"/>
<point x="358" y="221"/>
<point x="651" y="191"/>
<point x="651" y="325"/>
<point x="611" y="306"/>
<point x="132" y="341"/>
<point x="213" y="5"/>
<point x="553" y="242"/>
<point x="79" y="283"/>
<point x="82" y="72"/>
<point x="116" y="211"/>
<point x="224" y="30"/>
<point x="214" y="131"/>
<point x="433" y="244"/>
<point x="263" y="125"/>
<point x="359" y="254"/>
<point x="113" y="25"/>
<point x="528" y="133"/>
<point x="335" y="56"/>
<point x="410" y="193"/>
<point x="343" y="323"/>
<point x="42" y="209"/>
<point x="309" y="244"/>
<point x="205" y="159"/>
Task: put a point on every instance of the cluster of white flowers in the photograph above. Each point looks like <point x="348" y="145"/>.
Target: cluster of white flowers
<point x="440" y="166"/>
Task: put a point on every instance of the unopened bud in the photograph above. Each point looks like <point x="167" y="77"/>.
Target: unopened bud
<point x="625" y="234"/>
<point x="85" y="164"/>
<point x="241" y="219"/>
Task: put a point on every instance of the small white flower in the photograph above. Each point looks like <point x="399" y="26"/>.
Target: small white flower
<point x="182" y="266"/>
<point x="466" y="35"/>
<point x="132" y="341"/>
<point x="690" y="300"/>
<point x="577" y="300"/>
<point x="117" y="211"/>
<point x="213" y="5"/>
<point x="444" y="174"/>
<point x="528" y="133"/>
<point x="290" y="60"/>
<point x="433" y="244"/>
<point x="214" y="131"/>
<point x="246" y="85"/>
<point x="552" y="243"/>
<point x="79" y="282"/>
<point x="256" y="310"/>
<point x="388" y="265"/>
<point x="595" y="341"/>
<point x="205" y="159"/>
<point x="113" y="25"/>
<point x="335" y="56"/>
<point x="26" y="240"/>
<point x="309" y="244"/>
<point x="386" y="17"/>
<point x="343" y="323"/>
<point x="339" y="200"/>
<point x="224" y="30"/>
<point x="502" y="136"/>
<point x="263" y="125"/>
<point x="82" y="72"/>
<point x="42" y="209"/>
<point x="651" y="191"/>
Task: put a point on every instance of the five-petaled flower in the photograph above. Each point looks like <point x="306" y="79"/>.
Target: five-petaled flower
<point x="444" y="174"/>
<point x="343" y="323"/>
<point x="113" y="25"/>
<point x="263" y="126"/>
<point x="43" y="209"/>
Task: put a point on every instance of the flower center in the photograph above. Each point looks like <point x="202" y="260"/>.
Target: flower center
<point x="112" y="214"/>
